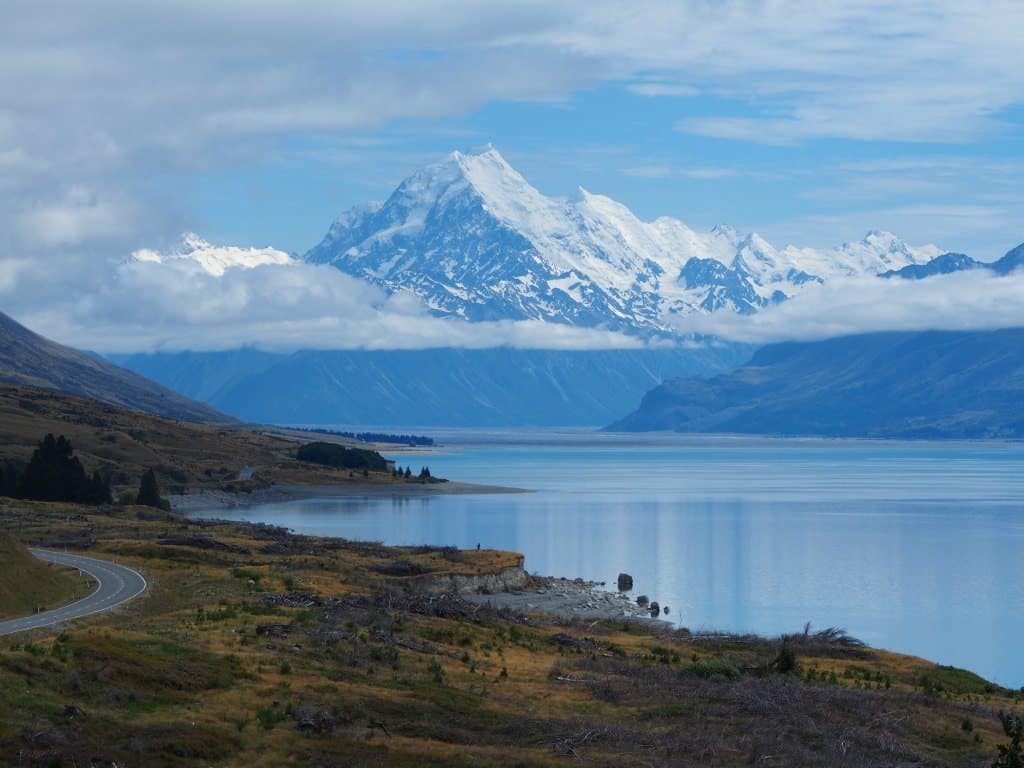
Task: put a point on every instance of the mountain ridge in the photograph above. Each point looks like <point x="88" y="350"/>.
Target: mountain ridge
<point x="437" y="387"/>
<point x="28" y="359"/>
<point x="473" y="239"/>
<point x="923" y="384"/>
<point x="950" y="263"/>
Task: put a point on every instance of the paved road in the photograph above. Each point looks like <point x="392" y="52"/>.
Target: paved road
<point x="117" y="584"/>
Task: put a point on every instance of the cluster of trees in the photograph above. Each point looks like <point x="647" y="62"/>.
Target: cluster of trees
<point x="386" y="437"/>
<point x="149" y="492"/>
<point x="407" y="472"/>
<point x="332" y="455"/>
<point x="375" y="437"/>
<point x="54" y="473"/>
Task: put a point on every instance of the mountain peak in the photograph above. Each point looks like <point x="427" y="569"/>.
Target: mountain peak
<point x="477" y="157"/>
<point x="478" y="151"/>
<point x="880" y="236"/>
<point x="473" y="239"/>
<point x="728" y="232"/>
<point x="483" y="169"/>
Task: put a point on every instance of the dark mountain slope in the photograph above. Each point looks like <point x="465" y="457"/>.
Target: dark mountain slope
<point x="453" y="387"/>
<point x="29" y="359"/>
<point x="925" y="384"/>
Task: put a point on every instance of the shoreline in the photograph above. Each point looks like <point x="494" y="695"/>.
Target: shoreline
<point x="196" y="501"/>
<point x="567" y="599"/>
<point x="555" y="596"/>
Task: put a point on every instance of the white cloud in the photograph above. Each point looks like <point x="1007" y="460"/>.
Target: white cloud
<point x="973" y="300"/>
<point x="183" y="301"/>
<point x="77" y="217"/>
<point x="700" y="173"/>
<point x="656" y="88"/>
<point x="100" y="97"/>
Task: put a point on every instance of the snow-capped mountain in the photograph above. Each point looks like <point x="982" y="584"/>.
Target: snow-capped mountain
<point x="215" y="259"/>
<point x="472" y="238"/>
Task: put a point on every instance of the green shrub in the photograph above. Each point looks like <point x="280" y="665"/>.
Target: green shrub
<point x="785" y="662"/>
<point x="1011" y="755"/>
<point x="712" y="669"/>
<point x="436" y="671"/>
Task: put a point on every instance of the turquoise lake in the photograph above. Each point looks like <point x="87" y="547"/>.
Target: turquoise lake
<point x="912" y="546"/>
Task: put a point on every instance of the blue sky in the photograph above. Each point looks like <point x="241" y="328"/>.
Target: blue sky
<point x="963" y="195"/>
<point x="256" y="122"/>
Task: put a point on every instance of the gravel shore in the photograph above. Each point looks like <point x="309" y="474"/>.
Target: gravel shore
<point x="565" y="598"/>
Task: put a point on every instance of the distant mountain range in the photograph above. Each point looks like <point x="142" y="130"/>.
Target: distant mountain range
<point x="948" y="263"/>
<point x="28" y="359"/>
<point x="913" y="385"/>
<point x="437" y="387"/>
<point x="473" y="239"/>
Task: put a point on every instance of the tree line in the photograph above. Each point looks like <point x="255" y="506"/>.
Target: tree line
<point x="54" y="473"/>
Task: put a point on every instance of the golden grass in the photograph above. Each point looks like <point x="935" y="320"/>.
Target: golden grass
<point x="186" y="456"/>
<point x="28" y="584"/>
<point x="209" y="668"/>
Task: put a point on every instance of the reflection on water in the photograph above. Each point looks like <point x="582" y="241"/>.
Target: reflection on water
<point x="912" y="546"/>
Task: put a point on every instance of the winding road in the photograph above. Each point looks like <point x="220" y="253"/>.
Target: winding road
<point x="117" y="584"/>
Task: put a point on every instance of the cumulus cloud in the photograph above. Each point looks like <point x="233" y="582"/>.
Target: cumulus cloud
<point x="192" y="299"/>
<point x="973" y="300"/>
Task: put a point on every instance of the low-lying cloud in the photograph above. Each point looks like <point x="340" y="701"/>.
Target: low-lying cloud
<point x="168" y="303"/>
<point x="973" y="300"/>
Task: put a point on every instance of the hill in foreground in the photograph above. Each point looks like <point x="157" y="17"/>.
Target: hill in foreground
<point x="122" y="444"/>
<point x="259" y="647"/>
<point x="32" y="360"/>
<point x="964" y="384"/>
<point x="27" y="583"/>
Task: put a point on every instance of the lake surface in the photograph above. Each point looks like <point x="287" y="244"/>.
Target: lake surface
<point x="916" y="547"/>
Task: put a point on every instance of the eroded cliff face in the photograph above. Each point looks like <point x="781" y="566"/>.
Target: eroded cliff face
<point x="500" y="581"/>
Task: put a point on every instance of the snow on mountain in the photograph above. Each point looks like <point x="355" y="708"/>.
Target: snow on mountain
<point x="215" y="259"/>
<point x="472" y="238"/>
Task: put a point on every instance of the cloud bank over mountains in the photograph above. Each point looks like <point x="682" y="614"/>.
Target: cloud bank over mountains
<point x="974" y="300"/>
<point x="102" y="98"/>
<point x="466" y="253"/>
<point x="204" y="297"/>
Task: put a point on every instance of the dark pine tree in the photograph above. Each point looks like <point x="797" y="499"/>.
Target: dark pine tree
<point x="149" y="491"/>
<point x="54" y="474"/>
<point x="99" y="489"/>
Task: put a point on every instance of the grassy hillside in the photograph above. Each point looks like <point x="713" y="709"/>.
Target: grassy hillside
<point x="29" y="359"/>
<point x="27" y="584"/>
<point x="124" y="443"/>
<point x="260" y="648"/>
